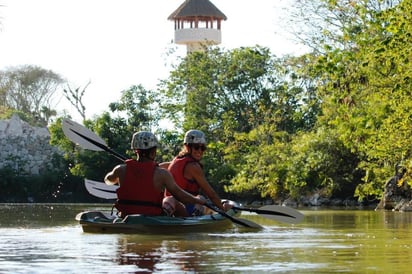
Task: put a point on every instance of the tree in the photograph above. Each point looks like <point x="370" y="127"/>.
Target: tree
<point x="322" y="25"/>
<point x="242" y="99"/>
<point x="134" y="111"/>
<point x="363" y="77"/>
<point x="260" y="159"/>
<point x="31" y="90"/>
<point x="234" y="91"/>
<point x="75" y="98"/>
<point x="139" y="105"/>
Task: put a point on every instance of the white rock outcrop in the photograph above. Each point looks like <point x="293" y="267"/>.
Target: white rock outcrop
<point x="24" y="148"/>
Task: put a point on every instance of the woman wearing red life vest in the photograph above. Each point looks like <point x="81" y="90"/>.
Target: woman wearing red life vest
<point x="188" y="174"/>
<point x="142" y="182"/>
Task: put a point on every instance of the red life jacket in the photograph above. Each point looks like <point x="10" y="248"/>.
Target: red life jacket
<point x="136" y="194"/>
<point x="177" y="168"/>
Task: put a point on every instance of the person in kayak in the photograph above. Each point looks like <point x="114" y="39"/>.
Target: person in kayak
<point x="189" y="175"/>
<point x="142" y="182"/>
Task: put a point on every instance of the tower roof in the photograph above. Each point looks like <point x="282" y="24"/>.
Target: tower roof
<point x="197" y="8"/>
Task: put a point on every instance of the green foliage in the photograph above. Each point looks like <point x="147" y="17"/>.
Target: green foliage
<point x="11" y="188"/>
<point x="133" y="112"/>
<point x="335" y="120"/>
<point x="363" y="78"/>
<point x="232" y="96"/>
<point x="219" y="172"/>
<point x="54" y="185"/>
<point x="7" y="113"/>
<point x="212" y="89"/>
<point x="170" y="144"/>
<point x="92" y="164"/>
<point x="259" y="158"/>
<point x="278" y="164"/>
<point x="138" y="105"/>
<point x="320" y="162"/>
<point x="58" y="139"/>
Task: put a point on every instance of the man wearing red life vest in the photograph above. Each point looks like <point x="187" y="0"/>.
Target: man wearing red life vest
<point x="142" y="182"/>
<point x="188" y="174"/>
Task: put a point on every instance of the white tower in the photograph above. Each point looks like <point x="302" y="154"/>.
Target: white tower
<point x="197" y="24"/>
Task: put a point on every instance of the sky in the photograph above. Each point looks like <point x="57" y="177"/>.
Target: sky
<point x="114" y="44"/>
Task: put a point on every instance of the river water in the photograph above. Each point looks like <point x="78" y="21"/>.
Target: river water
<point x="45" y="238"/>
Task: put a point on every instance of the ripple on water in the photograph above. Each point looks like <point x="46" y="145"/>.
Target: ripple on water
<point x="360" y="242"/>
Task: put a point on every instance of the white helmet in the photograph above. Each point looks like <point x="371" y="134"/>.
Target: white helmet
<point x="143" y="140"/>
<point x="194" y="136"/>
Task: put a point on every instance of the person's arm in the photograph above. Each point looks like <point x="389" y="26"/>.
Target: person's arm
<point x="195" y="171"/>
<point x="175" y="190"/>
<point x="115" y="176"/>
<point x="164" y="165"/>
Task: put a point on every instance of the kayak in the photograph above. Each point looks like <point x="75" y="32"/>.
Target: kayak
<point x="96" y="221"/>
<point x="101" y="222"/>
<point x="274" y="212"/>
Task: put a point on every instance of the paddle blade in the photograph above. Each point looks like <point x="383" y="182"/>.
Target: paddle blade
<point x="281" y="213"/>
<point x="246" y="223"/>
<point x="79" y="135"/>
<point x="100" y="189"/>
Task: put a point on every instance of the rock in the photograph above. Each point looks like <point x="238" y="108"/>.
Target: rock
<point x="397" y="194"/>
<point x="25" y="148"/>
<point x="290" y="203"/>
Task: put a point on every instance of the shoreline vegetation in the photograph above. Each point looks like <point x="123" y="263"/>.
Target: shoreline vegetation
<point x="326" y="128"/>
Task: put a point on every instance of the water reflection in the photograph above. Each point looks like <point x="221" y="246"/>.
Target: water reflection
<point x="397" y="220"/>
<point x="47" y="239"/>
<point x="152" y="255"/>
<point x="144" y="256"/>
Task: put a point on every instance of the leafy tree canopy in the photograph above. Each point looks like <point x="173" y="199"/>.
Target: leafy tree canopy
<point x="30" y="90"/>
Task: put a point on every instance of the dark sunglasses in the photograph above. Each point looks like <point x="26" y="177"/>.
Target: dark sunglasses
<point x="197" y="147"/>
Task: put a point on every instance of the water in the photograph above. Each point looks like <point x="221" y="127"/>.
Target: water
<point x="46" y="239"/>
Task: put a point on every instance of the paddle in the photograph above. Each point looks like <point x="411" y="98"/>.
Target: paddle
<point x="274" y="212"/>
<point x="101" y="190"/>
<point x="87" y="139"/>
<point x="239" y="221"/>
